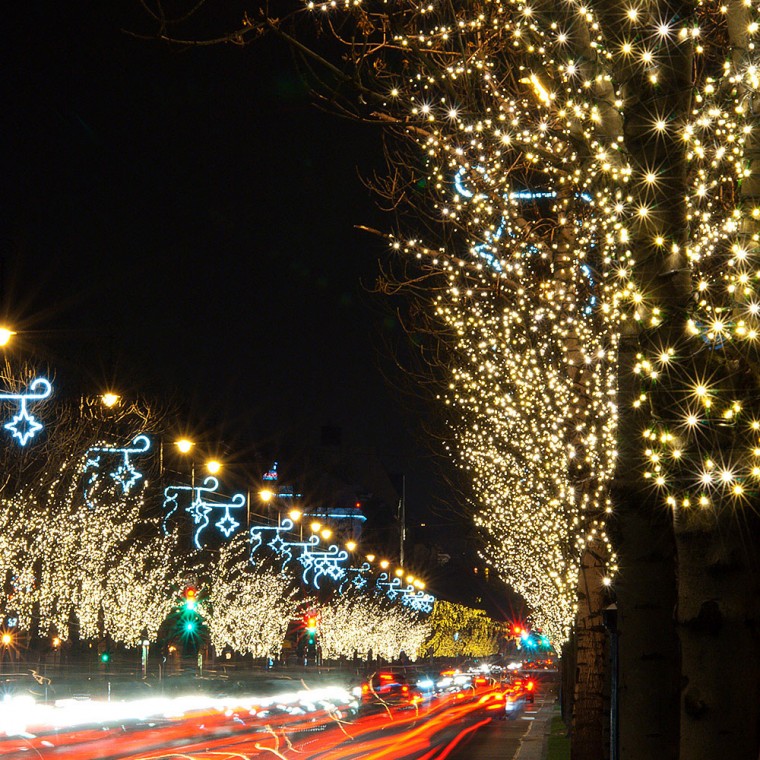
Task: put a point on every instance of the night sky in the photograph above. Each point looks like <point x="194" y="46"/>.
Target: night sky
<point x="180" y="222"/>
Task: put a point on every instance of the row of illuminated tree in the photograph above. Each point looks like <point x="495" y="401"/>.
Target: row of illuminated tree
<point x="89" y="550"/>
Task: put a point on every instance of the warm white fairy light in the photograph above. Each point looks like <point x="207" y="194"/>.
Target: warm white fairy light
<point x="534" y="411"/>
<point x="359" y="622"/>
<point x="250" y="606"/>
<point x="105" y="568"/>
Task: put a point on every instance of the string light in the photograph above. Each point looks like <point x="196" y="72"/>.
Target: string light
<point x="359" y="622"/>
<point x="251" y="606"/>
<point x="546" y="221"/>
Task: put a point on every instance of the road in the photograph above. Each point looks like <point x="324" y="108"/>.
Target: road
<point x="469" y="725"/>
<point x="501" y="739"/>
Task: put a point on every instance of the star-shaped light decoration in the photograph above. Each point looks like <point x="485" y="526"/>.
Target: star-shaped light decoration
<point x="126" y="475"/>
<point x="277" y="544"/>
<point x="227" y="523"/>
<point x="23" y="426"/>
<point x="199" y="509"/>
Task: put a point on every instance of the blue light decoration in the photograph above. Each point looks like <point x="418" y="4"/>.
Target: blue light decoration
<point x="418" y="600"/>
<point x="125" y="473"/>
<point x="271" y="475"/>
<point x="483" y="250"/>
<point x="200" y="508"/>
<point x="24" y="426"/>
<point x="390" y="586"/>
<point x="356" y="577"/>
<point x="279" y="546"/>
<point x="323" y="563"/>
<point x="316" y="563"/>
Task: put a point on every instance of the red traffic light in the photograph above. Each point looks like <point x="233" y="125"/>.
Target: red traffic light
<point x="190" y="595"/>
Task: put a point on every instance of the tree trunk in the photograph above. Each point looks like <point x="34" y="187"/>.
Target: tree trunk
<point x="648" y="647"/>
<point x="590" y="716"/>
<point x="567" y="680"/>
<point x="718" y="616"/>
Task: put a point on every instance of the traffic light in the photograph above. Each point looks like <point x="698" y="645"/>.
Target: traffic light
<point x="311" y="630"/>
<point x="190" y="595"/>
<point x="189" y="620"/>
<point x="105" y="657"/>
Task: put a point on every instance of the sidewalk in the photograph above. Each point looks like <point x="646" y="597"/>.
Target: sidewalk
<point x="534" y="744"/>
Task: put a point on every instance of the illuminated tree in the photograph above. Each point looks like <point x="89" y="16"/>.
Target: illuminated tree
<point x="460" y="631"/>
<point x="359" y="622"/>
<point x="251" y="606"/>
<point x="82" y="550"/>
<point x="577" y="188"/>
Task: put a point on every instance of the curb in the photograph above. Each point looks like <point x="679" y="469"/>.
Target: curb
<point x="533" y="745"/>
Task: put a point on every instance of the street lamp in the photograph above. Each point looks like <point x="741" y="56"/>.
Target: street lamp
<point x="110" y="399"/>
<point x="351" y="545"/>
<point x="6" y="335"/>
<point x="184" y="445"/>
<point x="213" y="466"/>
<point x="295" y="515"/>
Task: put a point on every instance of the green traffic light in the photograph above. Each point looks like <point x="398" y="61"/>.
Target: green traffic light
<point x="190" y="626"/>
<point x="105" y="657"/>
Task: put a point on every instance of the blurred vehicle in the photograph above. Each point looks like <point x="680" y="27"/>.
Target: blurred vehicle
<point x="425" y="684"/>
<point x="527" y="685"/>
<point x="545" y="664"/>
<point x="514" y="702"/>
<point x="453" y="680"/>
<point x="387" y="687"/>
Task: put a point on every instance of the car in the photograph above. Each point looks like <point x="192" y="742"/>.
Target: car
<point x="527" y="685"/>
<point x="452" y="680"/>
<point x="514" y="703"/>
<point x="387" y="687"/>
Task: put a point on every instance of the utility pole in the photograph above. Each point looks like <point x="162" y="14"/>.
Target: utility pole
<point x="402" y="520"/>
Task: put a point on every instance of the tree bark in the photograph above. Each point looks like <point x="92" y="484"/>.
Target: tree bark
<point x="590" y="716"/>
<point x="718" y="618"/>
<point x="648" y="647"/>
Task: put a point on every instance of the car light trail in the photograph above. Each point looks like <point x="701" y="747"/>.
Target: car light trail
<point x="319" y="724"/>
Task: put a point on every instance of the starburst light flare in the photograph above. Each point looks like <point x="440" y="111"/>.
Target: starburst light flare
<point x="551" y="223"/>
